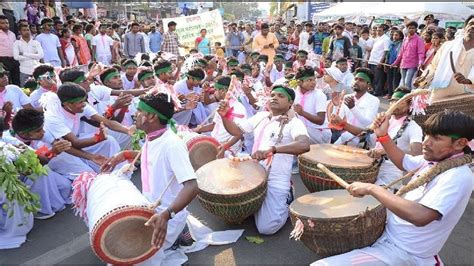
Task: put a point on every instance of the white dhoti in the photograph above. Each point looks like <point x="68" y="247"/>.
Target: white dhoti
<point x="183" y="117"/>
<point x="382" y="252"/>
<point x="13" y="230"/>
<point x="273" y="214"/>
<point x="124" y="140"/>
<point x="106" y="148"/>
<point x="346" y="136"/>
<point x="319" y="136"/>
<point x="69" y="166"/>
<point x="45" y="186"/>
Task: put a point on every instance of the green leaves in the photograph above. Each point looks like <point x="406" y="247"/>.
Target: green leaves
<point x="27" y="164"/>
<point x="136" y="138"/>
<point x="255" y="239"/>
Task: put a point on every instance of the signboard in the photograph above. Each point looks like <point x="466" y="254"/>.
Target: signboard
<point x="456" y="24"/>
<point x="188" y="28"/>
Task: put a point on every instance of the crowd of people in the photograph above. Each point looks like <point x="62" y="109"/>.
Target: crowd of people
<point x="77" y="91"/>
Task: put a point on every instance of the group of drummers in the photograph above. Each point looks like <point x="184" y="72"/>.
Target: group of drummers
<point x="272" y="112"/>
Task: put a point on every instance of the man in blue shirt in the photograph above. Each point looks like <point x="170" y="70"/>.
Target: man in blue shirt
<point x="317" y="38"/>
<point x="235" y="39"/>
<point x="155" y="39"/>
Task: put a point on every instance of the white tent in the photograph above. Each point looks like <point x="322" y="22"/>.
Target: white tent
<point x="361" y="12"/>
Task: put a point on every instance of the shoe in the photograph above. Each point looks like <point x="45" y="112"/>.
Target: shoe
<point x="42" y="216"/>
<point x="185" y="239"/>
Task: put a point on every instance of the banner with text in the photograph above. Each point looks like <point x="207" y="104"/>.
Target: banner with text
<point x="188" y="28"/>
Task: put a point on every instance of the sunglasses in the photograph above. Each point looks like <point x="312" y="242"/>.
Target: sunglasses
<point x="48" y="76"/>
<point x="4" y="74"/>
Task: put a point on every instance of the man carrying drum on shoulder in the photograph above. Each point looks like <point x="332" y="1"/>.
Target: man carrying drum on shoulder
<point x="165" y="169"/>
<point x="280" y="134"/>
<point x="424" y="212"/>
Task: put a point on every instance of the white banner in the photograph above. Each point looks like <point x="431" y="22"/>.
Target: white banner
<point x="188" y="28"/>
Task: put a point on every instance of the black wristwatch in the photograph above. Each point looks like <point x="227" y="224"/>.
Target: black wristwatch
<point x="171" y="213"/>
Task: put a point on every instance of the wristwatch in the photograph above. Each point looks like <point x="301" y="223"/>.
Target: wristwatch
<point x="171" y="213"/>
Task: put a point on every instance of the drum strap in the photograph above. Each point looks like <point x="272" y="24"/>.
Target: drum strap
<point x="402" y="129"/>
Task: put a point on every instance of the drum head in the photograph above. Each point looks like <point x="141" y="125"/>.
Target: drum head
<point x="227" y="177"/>
<point x="332" y="204"/>
<point x="122" y="237"/>
<point x="202" y="150"/>
<point x="328" y="155"/>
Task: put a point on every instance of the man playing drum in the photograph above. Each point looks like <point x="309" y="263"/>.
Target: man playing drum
<point x="165" y="169"/>
<point x="420" y="221"/>
<point x="216" y="127"/>
<point x="406" y="133"/>
<point x="277" y="133"/>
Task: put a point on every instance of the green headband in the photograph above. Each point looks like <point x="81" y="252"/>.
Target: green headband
<point x="305" y="77"/>
<point x="145" y="76"/>
<point x="193" y="77"/>
<point x="284" y="92"/>
<point x="111" y="75"/>
<point x="454" y="136"/>
<point x="254" y="54"/>
<point x="279" y="58"/>
<point x="363" y="76"/>
<point x="146" y="108"/>
<point x="130" y="63"/>
<point x="30" y="129"/>
<point x="302" y="53"/>
<point x="218" y="86"/>
<point x="398" y="95"/>
<point x="163" y="70"/>
<point x="75" y="100"/>
<point x="232" y="63"/>
<point x="79" y="79"/>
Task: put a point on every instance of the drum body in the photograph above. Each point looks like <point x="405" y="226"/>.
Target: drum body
<point x="350" y="165"/>
<point x="232" y="190"/>
<point x="463" y="103"/>
<point x="335" y="222"/>
<point x="202" y="149"/>
<point x="117" y="212"/>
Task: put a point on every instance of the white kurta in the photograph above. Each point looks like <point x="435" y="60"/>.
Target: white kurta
<point x="195" y="116"/>
<point x="448" y="194"/>
<point x="313" y="102"/>
<point x="64" y="123"/>
<point x="274" y="211"/>
<point x="219" y="132"/>
<point x="362" y="115"/>
<point x="167" y="160"/>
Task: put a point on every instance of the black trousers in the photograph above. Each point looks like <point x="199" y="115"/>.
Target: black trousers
<point x="393" y="80"/>
<point x="12" y="66"/>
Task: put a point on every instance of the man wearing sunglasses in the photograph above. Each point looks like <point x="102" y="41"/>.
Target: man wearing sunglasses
<point x="53" y="54"/>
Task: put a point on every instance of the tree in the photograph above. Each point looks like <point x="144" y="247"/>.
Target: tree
<point x="242" y="10"/>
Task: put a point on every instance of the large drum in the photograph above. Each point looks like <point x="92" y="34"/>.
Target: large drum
<point x="202" y="149"/>
<point x="232" y="190"/>
<point x="334" y="222"/>
<point x="115" y="214"/>
<point x="350" y="163"/>
<point x="463" y="103"/>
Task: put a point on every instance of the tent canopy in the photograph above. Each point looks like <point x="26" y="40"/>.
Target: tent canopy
<point x="412" y="10"/>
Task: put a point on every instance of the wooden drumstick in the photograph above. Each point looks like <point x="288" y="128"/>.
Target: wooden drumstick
<point x="132" y="164"/>
<point x="158" y="201"/>
<point x="406" y="97"/>
<point x="332" y="175"/>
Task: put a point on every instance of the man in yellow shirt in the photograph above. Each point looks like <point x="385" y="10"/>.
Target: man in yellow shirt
<point x="266" y="43"/>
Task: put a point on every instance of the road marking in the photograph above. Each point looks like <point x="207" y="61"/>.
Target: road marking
<point x="62" y="252"/>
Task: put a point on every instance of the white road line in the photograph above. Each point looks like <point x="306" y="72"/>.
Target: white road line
<point x="62" y="252"/>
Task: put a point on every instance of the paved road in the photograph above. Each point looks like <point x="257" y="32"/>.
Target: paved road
<point x="64" y="240"/>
